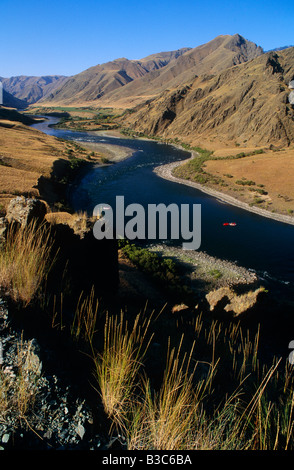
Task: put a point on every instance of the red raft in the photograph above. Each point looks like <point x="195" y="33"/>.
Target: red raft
<point x="230" y="223"/>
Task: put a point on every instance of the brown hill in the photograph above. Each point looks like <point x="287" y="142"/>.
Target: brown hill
<point x="32" y="89"/>
<point x="210" y="58"/>
<point x="95" y="82"/>
<point x="32" y="163"/>
<point x="247" y="104"/>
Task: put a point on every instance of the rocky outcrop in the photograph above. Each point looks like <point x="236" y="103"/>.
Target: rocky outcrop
<point x="80" y="261"/>
<point x="24" y="210"/>
<point x="226" y="300"/>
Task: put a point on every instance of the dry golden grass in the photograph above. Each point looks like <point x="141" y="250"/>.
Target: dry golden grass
<point x="24" y="261"/>
<point x="84" y="322"/>
<point x="165" y="421"/>
<point x="272" y="169"/>
<point x="28" y="149"/>
<point x="175" y="416"/>
<point x="117" y="367"/>
<point x="29" y="154"/>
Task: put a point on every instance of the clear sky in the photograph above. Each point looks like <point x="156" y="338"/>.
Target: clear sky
<point x="65" y="37"/>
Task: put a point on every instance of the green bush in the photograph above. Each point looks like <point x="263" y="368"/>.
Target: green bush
<point x="245" y="182"/>
<point x="162" y="270"/>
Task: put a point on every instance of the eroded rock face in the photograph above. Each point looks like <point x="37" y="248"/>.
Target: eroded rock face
<point x="225" y="298"/>
<point x="23" y="210"/>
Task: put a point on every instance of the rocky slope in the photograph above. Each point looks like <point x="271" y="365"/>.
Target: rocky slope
<point x="247" y="104"/>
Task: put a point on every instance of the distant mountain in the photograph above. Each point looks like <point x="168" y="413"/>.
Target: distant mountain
<point x="124" y="83"/>
<point x="32" y="89"/>
<point x="279" y="49"/>
<point x="247" y="104"/>
<point x="96" y="82"/>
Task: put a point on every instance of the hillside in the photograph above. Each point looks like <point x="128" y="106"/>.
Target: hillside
<point x="29" y="157"/>
<point x="210" y="58"/>
<point x="95" y="82"/>
<point x="32" y="89"/>
<point x="13" y="102"/>
<point x="245" y="105"/>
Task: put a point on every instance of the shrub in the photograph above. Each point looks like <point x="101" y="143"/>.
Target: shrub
<point x="215" y="273"/>
<point x="245" y="182"/>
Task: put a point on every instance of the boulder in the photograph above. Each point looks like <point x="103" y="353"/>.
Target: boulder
<point x="23" y="210"/>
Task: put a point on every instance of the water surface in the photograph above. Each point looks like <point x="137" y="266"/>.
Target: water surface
<point x="257" y="242"/>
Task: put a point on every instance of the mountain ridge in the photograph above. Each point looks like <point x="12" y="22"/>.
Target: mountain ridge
<point x="96" y="81"/>
<point x="123" y="83"/>
<point x="247" y="103"/>
<point x="209" y="58"/>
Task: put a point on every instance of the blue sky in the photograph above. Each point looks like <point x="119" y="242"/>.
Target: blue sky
<point x="66" y="37"/>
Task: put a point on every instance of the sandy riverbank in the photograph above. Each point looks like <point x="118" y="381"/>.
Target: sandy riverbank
<point x="113" y="153"/>
<point x="165" y="171"/>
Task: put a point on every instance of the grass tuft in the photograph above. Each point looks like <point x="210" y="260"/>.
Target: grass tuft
<point x="24" y="261"/>
<point x="117" y="367"/>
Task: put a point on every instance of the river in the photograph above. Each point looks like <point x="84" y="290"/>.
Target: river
<point x="258" y="243"/>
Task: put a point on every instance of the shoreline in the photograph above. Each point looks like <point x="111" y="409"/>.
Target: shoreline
<point x="165" y="171"/>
